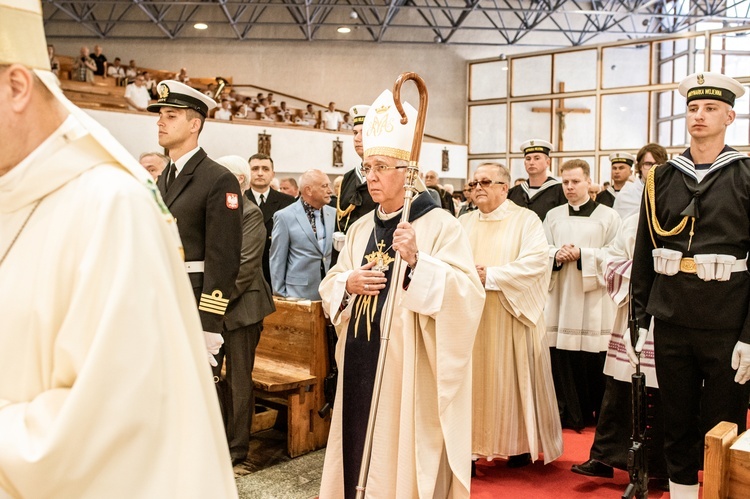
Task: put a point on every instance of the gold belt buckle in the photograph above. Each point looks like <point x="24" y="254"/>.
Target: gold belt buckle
<point x="687" y="265"/>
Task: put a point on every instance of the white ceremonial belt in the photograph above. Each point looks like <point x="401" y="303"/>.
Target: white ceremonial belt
<point x="194" y="267"/>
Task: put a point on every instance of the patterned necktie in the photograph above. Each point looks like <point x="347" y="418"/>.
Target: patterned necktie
<point x="310" y="212"/>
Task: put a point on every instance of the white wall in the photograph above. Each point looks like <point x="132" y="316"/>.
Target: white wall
<point x="294" y="150"/>
<point x="347" y="73"/>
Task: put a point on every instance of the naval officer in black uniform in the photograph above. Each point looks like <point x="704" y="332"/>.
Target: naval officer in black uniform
<point x="622" y="167"/>
<point x="690" y="274"/>
<point x="353" y="199"/>
<point x="205" y="199"/>
<point x="540" y="193"/>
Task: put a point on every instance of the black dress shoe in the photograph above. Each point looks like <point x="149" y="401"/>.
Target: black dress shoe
<point x="473" y="469"/>
<point x="519" y="461"/>
<point x="592" y="467"/>
<point x="238" y="460"/>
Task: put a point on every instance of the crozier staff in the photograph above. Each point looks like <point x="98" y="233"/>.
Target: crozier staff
<point x="426" y="391"/>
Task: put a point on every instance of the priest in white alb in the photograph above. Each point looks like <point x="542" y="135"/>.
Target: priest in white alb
<point x="579" y="312"/>
<point x="515" y="410"/>
<point x="105" y="390"/>
<point x="422" y="432"/>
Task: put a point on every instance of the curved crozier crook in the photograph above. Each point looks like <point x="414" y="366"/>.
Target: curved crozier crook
<point x="421" y="112"/>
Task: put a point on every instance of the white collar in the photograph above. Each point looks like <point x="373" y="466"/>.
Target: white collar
<point x="497" y="214"/>
<point x="180" y="163"/>
<point x="577" y="207"/>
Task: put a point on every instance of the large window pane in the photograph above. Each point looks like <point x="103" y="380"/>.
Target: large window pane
<point x="679" y="138"/>
<point x="624" y="121"/>
<point x="579" y="124"/>
<point x="532" y="75"/>
<point x="664" y="134"/>
<point x="626" y="66"/>
<point x="487" y="126"/>
<point x="529" y="124"/>
<point x="489" y="80"/>
<point x="577" y="70"/>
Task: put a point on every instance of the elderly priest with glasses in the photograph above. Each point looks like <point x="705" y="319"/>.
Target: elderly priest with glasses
<point x="422" y="434"/>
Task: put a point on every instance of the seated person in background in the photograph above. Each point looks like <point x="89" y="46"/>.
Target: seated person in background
<point x="243" y="109"/>
<point x="154" y="163"/>
<point x="225" y="111"/>
<point x="268" y="115"/>
<point x="84" y="67"/>
<point x="284" y="113"/>
<point x="271" y="102"/>
<point x="136" y="94"/>
<point x="310" y="116"/>
<point x="348" y="124"/>
<point x="262" y="105"/>
<point x="258" y="98"/>
<point x="302" y="239"/>
<point x="519" y="181"/>
<point x="116" y="71"/>
<point x="150" y="84"/>
<point x="131" y="71"/>
<point x="182" y="76"/>
<point x="210" y="90"/>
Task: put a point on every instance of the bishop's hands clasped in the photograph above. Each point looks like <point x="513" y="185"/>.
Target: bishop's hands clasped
<point x="365" y="281"/>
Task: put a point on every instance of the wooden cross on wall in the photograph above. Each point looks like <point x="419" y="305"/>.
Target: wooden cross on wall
<point x="561" y="111"/>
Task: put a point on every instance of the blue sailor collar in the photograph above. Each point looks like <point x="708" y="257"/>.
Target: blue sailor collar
<point x="684" y="162"/>
<point x="547" y="184"/>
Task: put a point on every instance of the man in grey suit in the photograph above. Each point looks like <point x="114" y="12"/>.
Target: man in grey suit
<point x="302" y="239"/>
<point x="251" y="301"/>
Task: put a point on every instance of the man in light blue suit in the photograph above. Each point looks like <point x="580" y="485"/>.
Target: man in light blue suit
<point x="302" y="239"/>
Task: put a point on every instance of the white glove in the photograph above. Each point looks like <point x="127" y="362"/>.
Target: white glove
<point x="213" y="345"/>
<point x="633" y="353"/>
<point x="212" y="360"/>
<point x="741" y="362"/>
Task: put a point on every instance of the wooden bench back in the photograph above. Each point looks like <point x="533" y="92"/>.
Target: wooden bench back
<point x="295" y="335"/>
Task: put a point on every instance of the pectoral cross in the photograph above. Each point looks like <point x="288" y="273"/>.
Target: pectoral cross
<point x="560" y="111"/>
<point x="382" y="258"/>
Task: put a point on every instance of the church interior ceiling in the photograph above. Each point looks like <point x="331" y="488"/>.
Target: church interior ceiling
<point x="553" y="23"/>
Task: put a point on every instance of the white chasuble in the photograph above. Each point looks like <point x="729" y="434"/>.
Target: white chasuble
<point x="515" y="409"/>
<point x="422" y="443"/>
<point x="579" y="312"/>
<point x="105" y="389"/>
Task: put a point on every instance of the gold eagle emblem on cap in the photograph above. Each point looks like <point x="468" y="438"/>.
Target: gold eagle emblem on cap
<point x="701" y="79"/>
<point x="164" y="92"/>
<point x="531" y="142"/>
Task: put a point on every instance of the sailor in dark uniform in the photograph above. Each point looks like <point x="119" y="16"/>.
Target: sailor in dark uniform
<point x="540" y="193"/>
<point x="354" y="199"/>
<point x="622" y="167"/>
<point x="205" y="199"/>
<point x="690" y="275"/>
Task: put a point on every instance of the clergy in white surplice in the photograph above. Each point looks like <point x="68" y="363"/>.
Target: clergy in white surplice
<point x="579" y="312"/>
<point x="515" y="411"/>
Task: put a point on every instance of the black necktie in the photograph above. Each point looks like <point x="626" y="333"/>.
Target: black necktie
<point x="170" y="175"/>
<point x="262" y="201"/>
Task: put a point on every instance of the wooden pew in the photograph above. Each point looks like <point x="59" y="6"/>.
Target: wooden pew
<point x="726" y="467"/>
<point x="291" y="362"/>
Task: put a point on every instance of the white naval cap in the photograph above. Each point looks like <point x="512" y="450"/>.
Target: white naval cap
<point x="383" y="133"/>
<point x="536" y="145"/>
<point x="175" y="94"/>
<point x="714" y="86"/>
<point x="358" y="113"/>
<point x="622" y="157"/>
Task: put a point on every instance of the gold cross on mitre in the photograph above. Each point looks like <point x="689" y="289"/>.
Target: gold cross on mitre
<point x="383" y="259"/>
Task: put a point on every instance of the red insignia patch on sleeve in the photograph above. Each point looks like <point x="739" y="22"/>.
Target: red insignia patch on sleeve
<point x="233" y="201"/>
